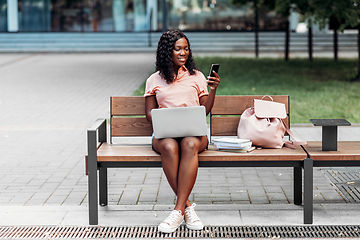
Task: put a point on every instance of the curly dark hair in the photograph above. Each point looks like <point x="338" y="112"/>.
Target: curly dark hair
<point x="164" y="63"/>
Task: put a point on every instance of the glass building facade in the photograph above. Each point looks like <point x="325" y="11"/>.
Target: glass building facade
<point x="3" y="16"/>
<point x="135" y="15"/>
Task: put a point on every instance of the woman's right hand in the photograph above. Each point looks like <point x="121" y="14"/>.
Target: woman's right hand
<point x="213" y="82"/>
<point x="208" y="100"/>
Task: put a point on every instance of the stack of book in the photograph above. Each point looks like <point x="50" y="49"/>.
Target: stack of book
<point x="233" y="144"/>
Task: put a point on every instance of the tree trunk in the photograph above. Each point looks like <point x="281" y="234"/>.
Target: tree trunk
<point x="336" y="47"/>
<point x="358" y="75"/>
<point x="357" y="78"/>
<point x="310" y="44"/>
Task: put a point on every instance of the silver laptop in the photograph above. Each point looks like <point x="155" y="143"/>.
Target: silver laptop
<point x="179" y="122"/>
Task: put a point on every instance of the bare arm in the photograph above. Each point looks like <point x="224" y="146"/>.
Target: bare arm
<point x="208" y="101"/>
<point x="150" y="103"/>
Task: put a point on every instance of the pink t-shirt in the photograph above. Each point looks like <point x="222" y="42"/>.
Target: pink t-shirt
<point x="185" y="91"/>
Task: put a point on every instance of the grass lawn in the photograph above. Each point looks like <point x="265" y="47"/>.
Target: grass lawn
<point x="318" y="89"/>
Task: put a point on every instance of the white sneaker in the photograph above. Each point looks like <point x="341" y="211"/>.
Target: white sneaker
<point x="172" y="222"/>
<point x="192" y="221"/>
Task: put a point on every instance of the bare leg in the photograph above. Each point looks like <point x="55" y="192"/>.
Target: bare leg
<point x="188" y="168"/>
<point x="169" y="150"/>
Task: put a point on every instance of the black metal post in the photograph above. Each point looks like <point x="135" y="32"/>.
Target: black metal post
<point x="164" y="28"/>
<point x="308" y="190"/>
<point x="297" y="185"/>
<point x="102" y="132"/>
<point x="150" y="27"/>
<point x="92" y="178"/>
<point x="256" y="32"/>
<point x="100" y="127"/>
<point x="310" y="44"/>
<point x="103" y="187"/>
<point x="287" y="41"/>
<point x="82" y="22"/>
<point x="329" y="138"/>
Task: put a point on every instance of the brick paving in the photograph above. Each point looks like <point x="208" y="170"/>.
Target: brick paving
<point x="47" y="101"/>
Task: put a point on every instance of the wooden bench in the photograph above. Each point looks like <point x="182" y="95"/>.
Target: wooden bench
<point x="347" y="155"/>
<point x="224" y="119"/>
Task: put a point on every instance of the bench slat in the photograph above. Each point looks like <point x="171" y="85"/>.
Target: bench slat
<point x="134" y="126"/>
<point x="143" y="153"/>
<point x="347" y="151"/>
<point x="236" y="105"/>
<point x="127" y="106"/>
<point x="224" y="126"/>
<point x="220" y="126"/>
<point x="223" y="105"/>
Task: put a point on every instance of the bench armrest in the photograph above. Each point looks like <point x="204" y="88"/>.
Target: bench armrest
<point x="96" y="133"/>
<point x="99" y="125"/>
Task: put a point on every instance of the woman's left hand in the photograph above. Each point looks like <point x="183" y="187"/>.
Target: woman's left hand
<point x="213" y="82"/>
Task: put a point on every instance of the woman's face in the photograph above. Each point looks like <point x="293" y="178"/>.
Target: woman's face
<point x="180" y="53"/>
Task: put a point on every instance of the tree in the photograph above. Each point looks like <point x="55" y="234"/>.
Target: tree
<point x="304" y="7"/>
<point x="347" y="12"/>
<point x="256" y="5"/>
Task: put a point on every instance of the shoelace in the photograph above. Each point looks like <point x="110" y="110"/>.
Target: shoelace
<point x="191" y="214"/>
<point x="174" y="215"/>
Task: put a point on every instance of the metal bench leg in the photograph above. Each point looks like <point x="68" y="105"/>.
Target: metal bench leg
<point x="308" y="191"/>
<point x="297" y="185"/>
<point x="92" y="178"/>
<point x="103" y="188"/>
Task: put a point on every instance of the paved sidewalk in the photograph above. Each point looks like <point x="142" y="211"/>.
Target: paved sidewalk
<point x="47" y="101"/>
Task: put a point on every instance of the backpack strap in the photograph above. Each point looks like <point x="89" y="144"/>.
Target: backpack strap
<point x="296" y="141"/>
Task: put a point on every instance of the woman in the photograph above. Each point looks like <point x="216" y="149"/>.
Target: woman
<point x="178" y="83"/>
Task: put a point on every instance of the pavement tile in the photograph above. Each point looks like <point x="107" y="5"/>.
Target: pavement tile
<point x="276" y="197"/>
<point x="55" y="200"/>
<point x="274" y="189"/>
<point x="218" y="218"/>
<point x="129" y="197"/>
<point x="272" y="217"/>
<point x="252" y="182"/>
<point x="239" y="196"/>
<point x="259" y="200"/>
<point x="40" y="218"/>
<point x="256" y="192"/>
<point x="147" y="198"/>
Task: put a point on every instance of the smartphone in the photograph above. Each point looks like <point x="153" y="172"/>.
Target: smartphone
<point x="214" y="67"/>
